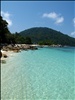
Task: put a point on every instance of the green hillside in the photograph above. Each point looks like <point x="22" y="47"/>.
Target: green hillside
<point x="48" y="36"/>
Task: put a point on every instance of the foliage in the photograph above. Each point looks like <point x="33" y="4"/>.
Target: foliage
<point x="4" y="32"/>
<point x="8" y="38"/>
<point x="18" y="39"/>
<point x="46" y="42"/>
<point x="43" y="35"/>
<point x="28" y="40"/>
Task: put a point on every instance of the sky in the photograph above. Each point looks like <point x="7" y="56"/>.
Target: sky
<point x="22" y="15"/>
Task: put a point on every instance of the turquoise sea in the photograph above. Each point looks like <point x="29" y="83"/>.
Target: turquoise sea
<point x="43" y="74"/>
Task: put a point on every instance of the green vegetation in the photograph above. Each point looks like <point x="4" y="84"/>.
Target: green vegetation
<point x="18" y="39"/>
<point x="7" y="38"/>
<point x="46" y="42"/>
<point x="43" y="35"/>
<point x="40" y="35"/>
<point x="4" y="32"/>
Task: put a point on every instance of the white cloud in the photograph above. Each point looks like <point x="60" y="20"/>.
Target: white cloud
<point x="74" y="21"/>
<point x="59" y="20"/>
<point x="6" y="16"/>
<point x="73" y="34"/>
<point x="52" y="15"/>
<point x="56" y="17"/>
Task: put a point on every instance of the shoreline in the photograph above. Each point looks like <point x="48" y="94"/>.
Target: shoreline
<point x="6" y="55"/>
<point x="9" y="50"/>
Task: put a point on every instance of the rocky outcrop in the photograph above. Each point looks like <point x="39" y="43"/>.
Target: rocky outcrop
<point x="18" y="47"/>
<point x="4" y="56"/>
<point x="33" y="48"/>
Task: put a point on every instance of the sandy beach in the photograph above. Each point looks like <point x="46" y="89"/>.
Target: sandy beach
<point x="9" y="50"/>
<point x="7" y="53"/>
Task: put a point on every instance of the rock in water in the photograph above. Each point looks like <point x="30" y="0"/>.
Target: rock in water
<point x="4" y="55"/>
<point x="3" y="61"/>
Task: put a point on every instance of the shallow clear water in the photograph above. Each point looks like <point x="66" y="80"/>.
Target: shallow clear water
<point x="43" y="74"/>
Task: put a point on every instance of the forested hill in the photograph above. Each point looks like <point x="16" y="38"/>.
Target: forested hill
<point x="48" y="36"/>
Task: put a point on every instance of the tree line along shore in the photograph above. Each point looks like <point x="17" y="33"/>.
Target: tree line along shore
<point x="17" y="42"/>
